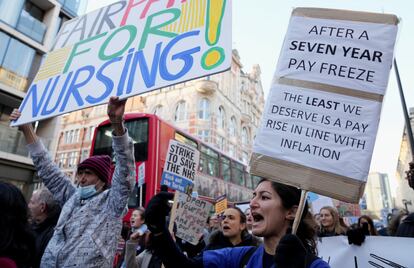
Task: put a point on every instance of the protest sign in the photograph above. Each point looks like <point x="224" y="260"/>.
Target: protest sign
<point x="141" y="174"/>
<point x="374" y="252"/>
<point x="128" y="48"/>
<point x="190" y="216"/>
<point x="221" y="204"/>
<point x="318" y="129"/>
<point x="180" y="167"/>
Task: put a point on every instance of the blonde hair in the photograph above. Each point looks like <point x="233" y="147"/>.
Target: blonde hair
<point x="337" y="228"/>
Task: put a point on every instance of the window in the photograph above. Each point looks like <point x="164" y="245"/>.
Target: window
<point x="84" y="155"/>
<point x="221" y="143"/>
<point x="138" y="131"/>
<point x="245" y="157"/>
<point x="89" y="133"/>
<point x="225" y="168"/>
<point x="237" y="173"/>
<point x="15" y="61"/>
<point x="158" y="110"/>
<point x="204" y="135"/>
<point x="221" y="118"/>
<point x="233" y="127"/>
<point x="209" y="161"/>
<point x="31" y="22"/>
<point x="180" y="112"/>
<point x="183" y="139"/>
<point x="232" y="151"/>
<point x="245" y="136"/>
<point x="61" y="159"/>
<point x="10" y="11"/>
<point x="204" y="109"/>
<point x="72" y="159"/>
<point x="76" y="136"/>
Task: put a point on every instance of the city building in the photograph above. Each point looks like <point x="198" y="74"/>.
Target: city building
<point x="405" y="195"/>
<point x="27" y="31"/>
<point x="377" y="198"/>
<point x="222" y="109"/>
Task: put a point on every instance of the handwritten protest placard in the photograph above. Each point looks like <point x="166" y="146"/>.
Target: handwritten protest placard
<point x="221" y="204"/>
<point x="321" y="117"/>
<point x="128" y="48"/>
<point x="374" y="252"/>
<point x="180" y="167"/>
<point x="190" y="216"/>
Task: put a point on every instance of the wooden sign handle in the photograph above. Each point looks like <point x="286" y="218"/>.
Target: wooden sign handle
<point x="299" y="212"/>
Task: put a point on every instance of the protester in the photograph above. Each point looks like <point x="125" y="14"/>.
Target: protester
<point x="145" y="259"/>
<point x="233" y="232"/>
<point x="273" y="209"/>
<point x="249" y="219"/>
<point x="395" y="222"/>
<point x="364" y="219"/>
<point x="139" y="229"/>
<point x="44" y="214"/>
<point x="330" y="225"/>
<point x="17" y="243"/>
<point x="90" y="222"/>
<point x="406" y="228"/>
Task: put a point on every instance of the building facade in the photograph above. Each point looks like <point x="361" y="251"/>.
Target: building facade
<point x="377" y="195"/>
<point x="27" y="31"/>
<point x="405" y="195"/>
<point x="222" y="109"/>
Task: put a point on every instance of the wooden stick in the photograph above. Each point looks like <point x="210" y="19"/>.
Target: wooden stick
<point x="173" y="212"/>
<point x="299" y="212"/>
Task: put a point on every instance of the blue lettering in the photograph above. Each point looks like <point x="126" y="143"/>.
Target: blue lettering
<point x="109" y="84"/>
<point x="124" y="73"/>
<point x="184" y="55"/>
<point x="73" y="88"/>
<point x="35" y="104"/>
<point x="45" y="111"/>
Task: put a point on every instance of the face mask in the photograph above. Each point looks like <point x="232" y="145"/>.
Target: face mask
<point x="86" y="191"/>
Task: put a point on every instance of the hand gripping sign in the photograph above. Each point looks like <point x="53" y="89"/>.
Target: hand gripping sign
<point x="321" y="117"/>
<point x="181" y="165"/>
<point x="129" y="48"/>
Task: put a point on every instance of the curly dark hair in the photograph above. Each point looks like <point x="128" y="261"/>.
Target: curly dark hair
<point x="307" y="228"/>
<point x="16" y="237"/>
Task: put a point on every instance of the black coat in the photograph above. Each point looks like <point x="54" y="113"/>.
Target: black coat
<point x="406" y="228"/>
<point x="43" y="232"/>
<point x="218" y="240"/>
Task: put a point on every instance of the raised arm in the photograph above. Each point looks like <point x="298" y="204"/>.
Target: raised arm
<point x="54" y="179"/>
<point x="123" y="178"/>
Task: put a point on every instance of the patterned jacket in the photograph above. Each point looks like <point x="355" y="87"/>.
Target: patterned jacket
<point x="86" y="234"/>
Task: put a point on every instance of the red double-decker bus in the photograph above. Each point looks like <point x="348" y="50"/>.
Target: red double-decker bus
<point x="218" y="173"/>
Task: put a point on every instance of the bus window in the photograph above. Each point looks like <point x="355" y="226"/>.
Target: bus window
<point x="210" y="161"/>
<point x="225" y="168"/>
<point x="137" y="130"/>
<point x="237" y="173"/>
<point x="248" y="179"/>
<point x="183" y="139"/>
<point x="256" y="180"/>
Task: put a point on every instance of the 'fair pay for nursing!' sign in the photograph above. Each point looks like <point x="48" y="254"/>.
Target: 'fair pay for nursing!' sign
<point x="321" y="116"/>
<point x="128" y="48"/>
<point x="180" y="167"/>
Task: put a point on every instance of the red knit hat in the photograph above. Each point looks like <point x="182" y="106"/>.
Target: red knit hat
<point x="100" y="164"/>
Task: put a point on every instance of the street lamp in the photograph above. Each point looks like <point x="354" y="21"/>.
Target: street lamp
<point x="406" y="202"/>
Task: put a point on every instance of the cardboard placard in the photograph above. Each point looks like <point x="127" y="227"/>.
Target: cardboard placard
<point x="374" y="252"/>
<point x="180" y="167"/>
<point x="318" y="129"/>
<point x="190" y="216"/>
<point x="221" y="204"/>
<point x="129" y="48"/>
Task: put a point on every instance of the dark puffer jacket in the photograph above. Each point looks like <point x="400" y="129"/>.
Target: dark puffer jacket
<point x="406" y="228"/>
<point x="218" y="240"/>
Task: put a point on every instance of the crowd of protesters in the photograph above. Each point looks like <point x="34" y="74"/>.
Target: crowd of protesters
<point x="66" y="225"/>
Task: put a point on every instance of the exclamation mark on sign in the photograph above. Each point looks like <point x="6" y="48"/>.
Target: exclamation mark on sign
<point x="215" y="55"/>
